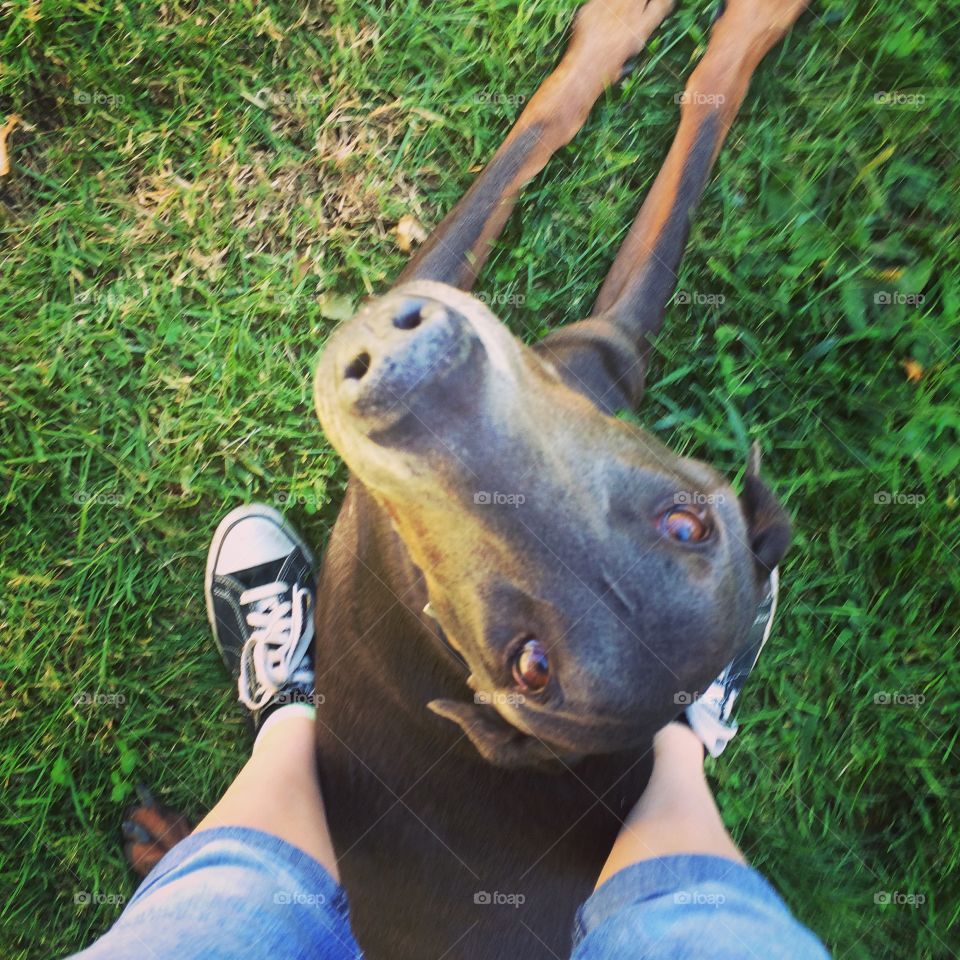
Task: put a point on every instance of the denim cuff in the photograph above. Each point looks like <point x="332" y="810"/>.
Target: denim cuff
<point x="307" y="871"/>
<point x="675" y="875"/>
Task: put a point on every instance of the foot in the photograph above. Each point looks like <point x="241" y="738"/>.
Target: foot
<point x="710" y="716"/>
<point x="149" y="830"/>
<point x="260" y="591"/>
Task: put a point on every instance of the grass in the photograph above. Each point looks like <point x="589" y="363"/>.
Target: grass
<point x="199" y="194"/>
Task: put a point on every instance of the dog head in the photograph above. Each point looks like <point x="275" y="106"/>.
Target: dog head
<point x="591" y="579"/>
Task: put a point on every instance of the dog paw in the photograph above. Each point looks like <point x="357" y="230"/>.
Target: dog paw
<point x="149" y="830"/>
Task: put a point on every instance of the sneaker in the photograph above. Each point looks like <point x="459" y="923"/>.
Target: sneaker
<point x="259" y="588"/>
<point x="710" y="716"/>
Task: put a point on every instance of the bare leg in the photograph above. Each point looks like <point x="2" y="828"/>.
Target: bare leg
<point x="277" y="792"/>
<point x="676" y="813"/>
<point x="263" y="628"/>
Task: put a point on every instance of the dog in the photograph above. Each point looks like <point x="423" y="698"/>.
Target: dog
<point x="520" y="585"/>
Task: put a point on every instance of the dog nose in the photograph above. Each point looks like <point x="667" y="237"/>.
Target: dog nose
<point x="401" y="344"/>
<point x="390" y="323"/>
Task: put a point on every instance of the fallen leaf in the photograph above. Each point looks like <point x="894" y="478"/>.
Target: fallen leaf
<point x="409" y="232"/>
<point x="256" y="99"/>
<point x="913" y="370"/>
<point x="5" y="132"/>
<point x="335" y="307"/>
<point x="211" y="263"/>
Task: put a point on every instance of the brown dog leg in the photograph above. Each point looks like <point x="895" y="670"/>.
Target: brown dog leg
<point x="606" y="355"/>
<point x="606" y="33"/>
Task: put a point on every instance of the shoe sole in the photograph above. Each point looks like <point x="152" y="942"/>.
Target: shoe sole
<point x="233" y="517"/>
<point x="774" y="582"/>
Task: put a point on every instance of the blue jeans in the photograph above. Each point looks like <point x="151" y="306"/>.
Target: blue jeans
<point x="231" y="893"/>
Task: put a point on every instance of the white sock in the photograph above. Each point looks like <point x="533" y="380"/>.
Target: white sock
<point x="282" y="713"/>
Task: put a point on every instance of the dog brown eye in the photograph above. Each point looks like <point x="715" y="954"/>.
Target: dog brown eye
<point x="531" y="666"/>
<point x="684" y="525"/>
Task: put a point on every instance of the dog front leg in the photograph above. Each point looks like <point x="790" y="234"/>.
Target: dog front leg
<point x="606" y="34"/>
<point x="606" y="355"/>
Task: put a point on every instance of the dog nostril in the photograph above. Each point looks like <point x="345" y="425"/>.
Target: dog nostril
<point x="408" y="318"/>
<point x="357" y="367"/>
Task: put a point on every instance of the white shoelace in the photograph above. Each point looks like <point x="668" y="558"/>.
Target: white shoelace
<point x="282" y="632"/>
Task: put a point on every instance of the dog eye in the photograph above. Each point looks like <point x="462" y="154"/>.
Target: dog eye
<point x="531" y="666"/>
<point x="684" y="525"/>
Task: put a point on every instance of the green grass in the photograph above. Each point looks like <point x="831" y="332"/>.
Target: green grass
<point x="174" y="255"/>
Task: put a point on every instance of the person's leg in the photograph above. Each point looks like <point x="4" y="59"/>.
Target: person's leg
<point x="277" y="790"/>
<point x="259" y="592"/>
<point x="258" y="876"/>
<point x="675" y="883"/>
<point x="677" y="813"/>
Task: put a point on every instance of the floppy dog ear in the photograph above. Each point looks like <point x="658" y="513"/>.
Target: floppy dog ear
<point x="497" y="741"/>
<point x="768" y="525"/>
<point x="597" y="359"/>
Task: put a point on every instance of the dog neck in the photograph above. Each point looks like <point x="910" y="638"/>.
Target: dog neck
<point x="372" y="598"/>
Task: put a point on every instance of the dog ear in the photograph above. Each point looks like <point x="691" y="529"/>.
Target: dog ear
<point x="768" y="525"/>
<point x="597" y="359"/>
<point x="497" y="741"/>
